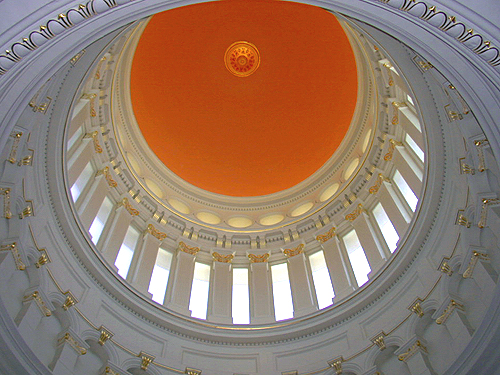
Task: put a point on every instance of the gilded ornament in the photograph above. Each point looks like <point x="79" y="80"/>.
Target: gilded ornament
<point x="131" y="210"/>
<point x="107" y="175"/>
<point x="416" y="308"/>
<point x="337" y="365"/>
<point x="254" y="258"/>
<point x="7" y="213"/>
<point x="222" y="258"/>
<point x="452" y="306"/>
<point x="476" y="256"/>
<point x="380" y="179"/>
<point x="35" y="296"/>
<point x="12" y="247"/>
<point x="325" y="237"/>
<point x="484" y="211"/>
<point x="28" y="211"/>
<point x="192" y="371"/>
<point x="95" y="139"/>
<point x="417" y="346"/>
<point x="156" y="233"/>
<point x="395" y="117"/>
<point x="15" y="145"/>
<point x="105" y="335"/>
<point x="480" y="154"/>
<point x="188" y="249"/>
<point x="242" y="59"/>
<point x="110" y="371"/>
<point x="73" y="343"/>
<point x="353" y="215"/>
<point x="380" y="341"/>
<point x="445" y="268"/>
<point x="43" y="259"/>
<point x="146" y="360"/>
<point x="293" y="252"/>
<point x="70" y="300"/>
<point x="392" y="146"/>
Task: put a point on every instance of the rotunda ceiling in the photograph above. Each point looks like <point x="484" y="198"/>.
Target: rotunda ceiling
<point x="244" y="134"/>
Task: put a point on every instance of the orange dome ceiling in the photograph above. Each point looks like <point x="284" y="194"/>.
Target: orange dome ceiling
<point x="252" y="135"/>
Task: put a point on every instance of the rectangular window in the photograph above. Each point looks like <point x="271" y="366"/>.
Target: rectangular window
<point x="282" y="293"/>
<point x="385" y="224"/>
<point x="410" y="100"/>
<point x="126" y="252"/>
<point x="78" y="133"/>
<point x="405" y="190"/>
<point x="100" y="220"/>
<point x="82" y="181"/>
<point x="357" y="257"/>
<point x="198" y="303"/>
<point x="321" y="279"/>
<point x="414" y="147"/>
<point x="241" y="298"/>
<point x="159" y="277"/>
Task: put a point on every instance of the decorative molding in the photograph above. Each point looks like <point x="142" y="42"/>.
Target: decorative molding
<point x="416" y="308"/>
<point x="188" y="249"/>
<point x="326" y="236"/>
<point x="192" y="371"/>
<point x="97" y="74"/>
<point x="73" y="343"/>
<point x="222" y="258"/>
<point x="107" y="175"/>
<point x="15" y="144"/>
<point x="12" y="247"/>
<point x="379" y="340"/>
<point x="354" y="215"/>
<point x="43" y="259"/>
<point x="392" y="146"/>
<point x="131" y="210"/>
<point x="336" y="364"/>
<point x="74" y="60"/>
<point x="462" y="220"/>
<point x="452" y="306"/>
<point x="155" y="232"/>
<point x="105" y="335"/>
<point x="254" y="258"/>
<point x="70" y="300"/>
<point x="380" y="179"/>
<point x="444" y="267"/>
<point x="91" y="99"/>
<point x="484" y="210"/>
<point x="395" y="116"/>
<point x="7" y="213"/>
<point x="289" y="253"/>
<point x="476" y="256"/>
<point x="146" y="360"/>
<point x="35" y="296"/>
<point x="27" y="212"/>
<point x="95" y="138"/>
<point x="388" y="66"/>
<point x="412" y="350"/>
<point x="480" y="154"/>
<point x="476" y="43"/>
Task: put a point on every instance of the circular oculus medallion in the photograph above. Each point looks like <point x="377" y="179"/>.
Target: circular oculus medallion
<point x="242" y="59"/>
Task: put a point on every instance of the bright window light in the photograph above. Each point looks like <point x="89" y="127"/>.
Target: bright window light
<point x="405" y="189"/>
<point x="385" y="224"/>
<point x="357" y="257"/>
<point x="413" y="145"/>
<point x="159" y="277"/>
<point x="82" y="181"/>
<point x="282" y="293"/>
<point x="409" y="99"/>
<point x="74" y="137"/>
<point x="100" y="220"/>
<point x="198" y="303"/>
<point x="241" y="298"/>
<point x="321" y="279"/>
<point x="126" y="252"/>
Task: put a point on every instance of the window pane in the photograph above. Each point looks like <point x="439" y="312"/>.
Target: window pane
<point x="199" y="291"/>
<point x="126" y="252"/>
<point x="357" y="257"/>
<point x="405" y="190"/>
<point x="413" y="145"/>
<point x="385" y="224"/>
<point x="159" y="277"/>
<point x="82" y="181"/>
<point x="100" y="220"/>
<point x="321" y="279"/>
<point x="241" y="298"/>
<point x="75" y="137"/>
<point x="282" y="293"/>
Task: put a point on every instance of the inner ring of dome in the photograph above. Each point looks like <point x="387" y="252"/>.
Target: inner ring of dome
<point x="248" y="136"/>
